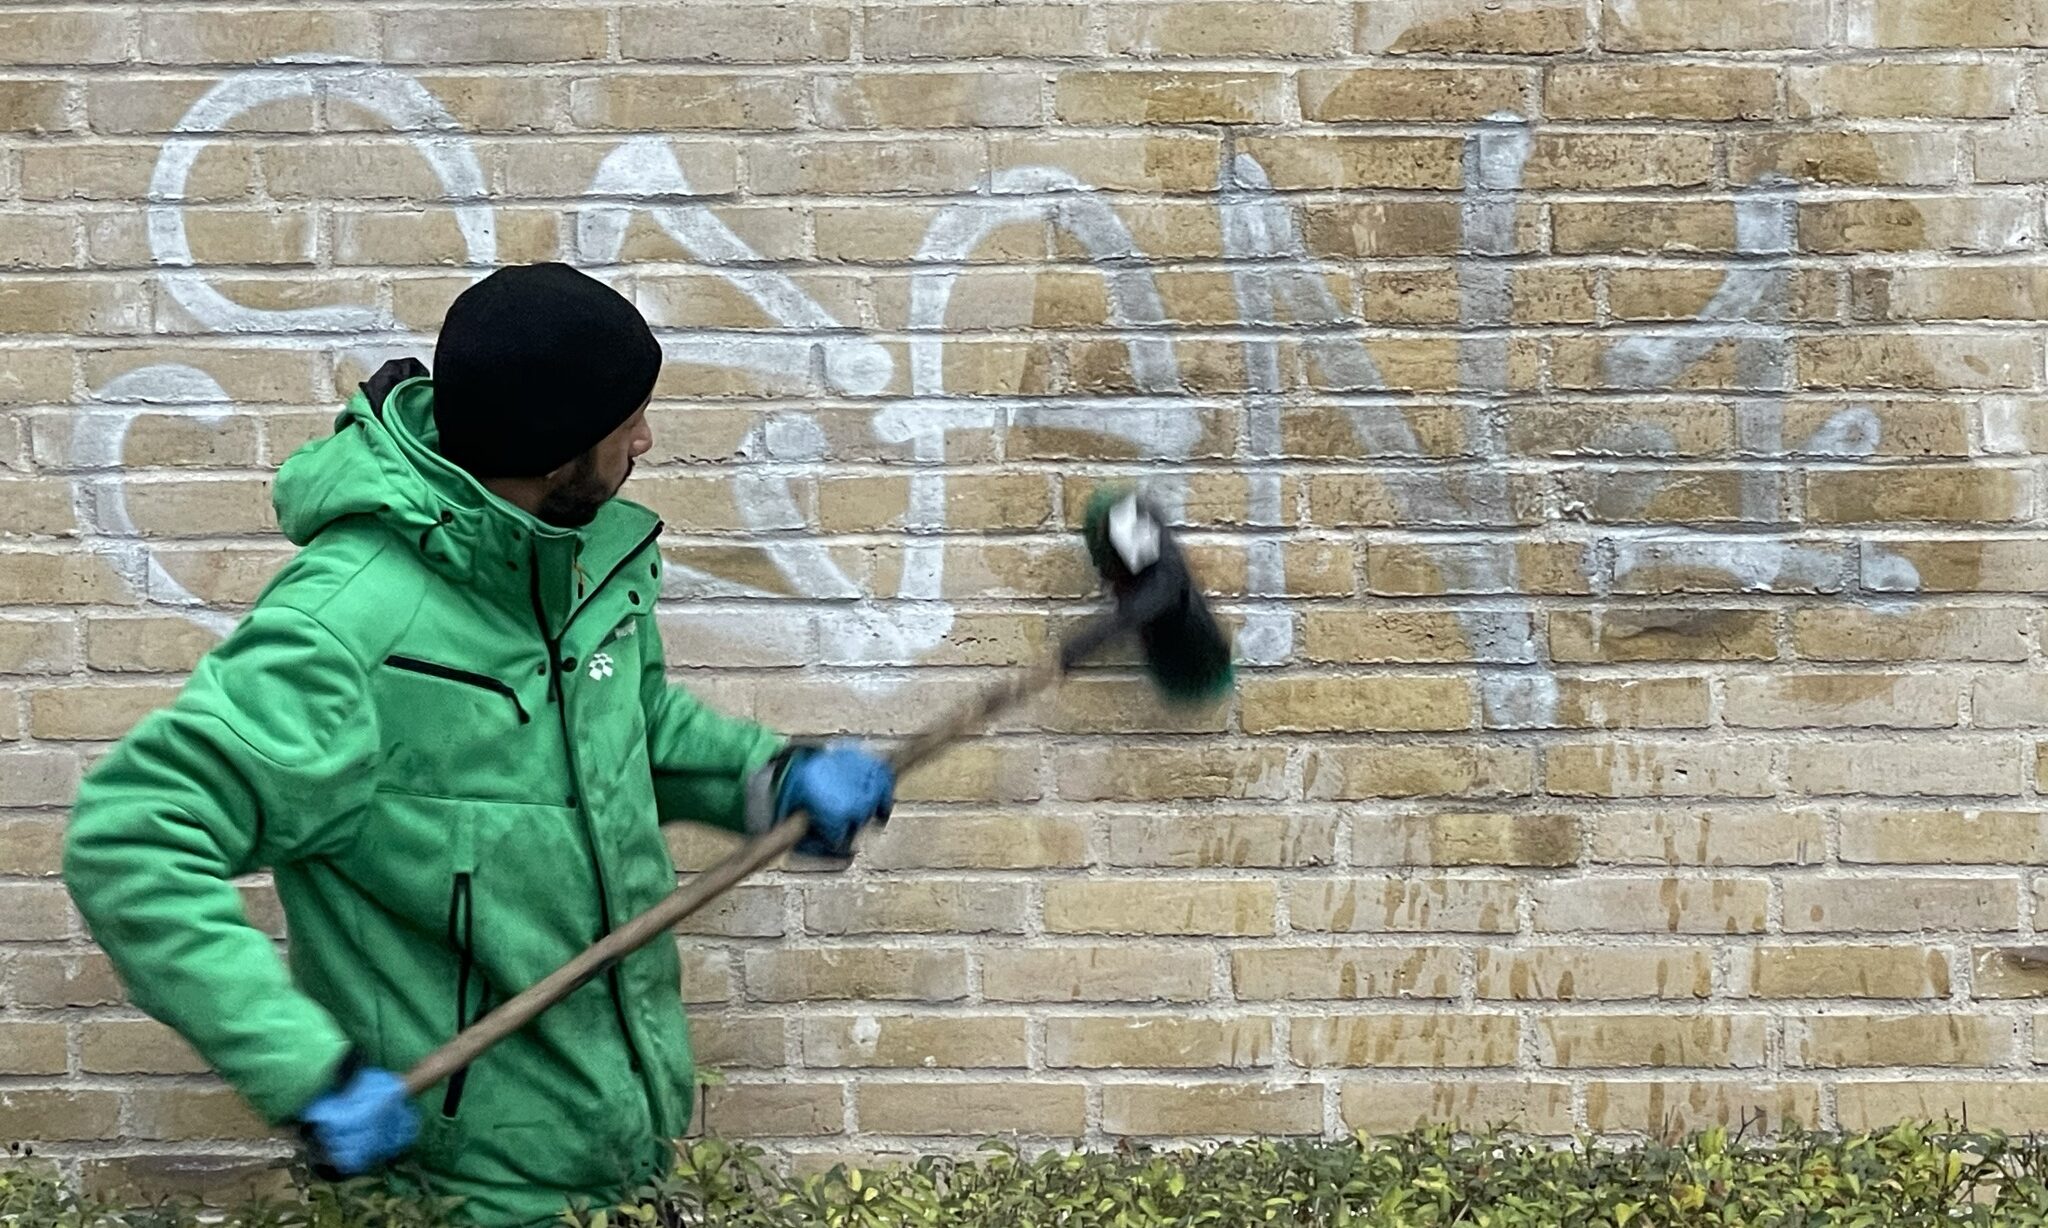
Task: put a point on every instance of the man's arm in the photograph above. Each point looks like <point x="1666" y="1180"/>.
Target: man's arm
<point x="706" y="765"/>
<point x="272" y="743"/>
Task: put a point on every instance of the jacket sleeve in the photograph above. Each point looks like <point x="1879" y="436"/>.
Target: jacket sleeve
<point x="270" y="745"/>
<point x="705" y="764"/>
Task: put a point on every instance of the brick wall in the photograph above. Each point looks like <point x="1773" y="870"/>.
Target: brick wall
<point x="1612" y="427"/>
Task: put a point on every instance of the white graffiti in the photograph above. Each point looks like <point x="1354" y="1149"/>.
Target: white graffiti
<point x="1283" y="298"/>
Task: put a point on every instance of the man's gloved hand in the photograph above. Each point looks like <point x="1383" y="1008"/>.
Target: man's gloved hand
<point x="361" y="1124"/>
<point x="841" y="787"/>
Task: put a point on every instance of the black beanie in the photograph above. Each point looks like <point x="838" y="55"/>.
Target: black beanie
<point x="535" y="365"/>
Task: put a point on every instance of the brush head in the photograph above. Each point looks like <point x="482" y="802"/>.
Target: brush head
<point x="1186" y="651"/>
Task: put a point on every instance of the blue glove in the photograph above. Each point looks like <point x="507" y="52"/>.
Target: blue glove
<point x="842" y="788"/>
<point x="364" y="1123"/>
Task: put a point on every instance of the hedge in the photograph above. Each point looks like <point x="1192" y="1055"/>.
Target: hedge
<point x="1911" y="1174"/>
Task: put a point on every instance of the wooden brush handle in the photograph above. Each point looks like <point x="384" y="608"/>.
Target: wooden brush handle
<point x="714" y="882"/>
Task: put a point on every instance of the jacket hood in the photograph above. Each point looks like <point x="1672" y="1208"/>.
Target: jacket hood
<point x="380" y="463"/>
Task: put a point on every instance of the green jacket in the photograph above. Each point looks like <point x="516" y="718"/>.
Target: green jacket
<point x="446" y="727"/>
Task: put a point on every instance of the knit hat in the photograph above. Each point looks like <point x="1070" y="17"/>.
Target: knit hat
<point x="536" y="364"/>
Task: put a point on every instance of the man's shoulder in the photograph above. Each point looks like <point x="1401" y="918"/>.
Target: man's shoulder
<point x="359" y="583"/>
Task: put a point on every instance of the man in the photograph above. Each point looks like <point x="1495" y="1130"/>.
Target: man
<point x="447" y="729"/>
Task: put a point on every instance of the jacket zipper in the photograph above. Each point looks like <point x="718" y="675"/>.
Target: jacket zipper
<point x="557" y="695"/>
<point x="432" y="670"/>
<point x="461" y="936"/>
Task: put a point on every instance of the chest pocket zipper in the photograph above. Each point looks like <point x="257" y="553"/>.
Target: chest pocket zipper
<point x="413" y="665"/>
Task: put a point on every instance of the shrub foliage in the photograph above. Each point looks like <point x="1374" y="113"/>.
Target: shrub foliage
<point x="1911" y="1174"/>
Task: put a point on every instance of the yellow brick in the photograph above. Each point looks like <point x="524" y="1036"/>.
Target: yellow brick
<point x="681" y="101"/>
<point x="932" y="906"/>
<point x="1226" y="29"/>
<point x="1366" y="94"/>
<point x="222" y="575"/>
<point x="262" y="375"/>
<point x="975" y="774"/>
<point x="1684" y="294"/>
<point x="1737" y="25"/>
<point x="1967" y="566"/>
<point x="114" y="171"/>
<point x="1942" y="633"/>
<point x="1891" y="360"/>
<point x="1220" y="840"/>
<point x="33" y="1048"/>
<point x="1956" y="293"/>
<point x="721" y="1041"/>
<point x="1393" y="1106"/>
<point x="2009" y="972"/>
<point x="59" y="579"/>
<point x="1908" y="427"/>
<point x="1652" y="905"/>
<point x="892" y="232"/>
<point x="1411" y="904"/>
<point x="135" y="1046"/>
<point x="1041" y="1109"/>
<point x="2010" y="1106"/>
<point x="1846" y="157"/>
<point x="1158" y="773"/>
<point x="1674" y="1109"/>
<point x="2001" y="701"/>
<point x="36" y="507"/>
<point x="1793" y="701"/>
<point x="1611" y="90"/>
<point x="912" y="1042"/>
<point x="954" y="841"/>
<point x="1528" y="567"/>
<point x="1643" y="226"/>
<point x="1838" y="1041"/>
<point x="1676" y="495"/>
<point x="1316" y="568"/>
<point x="1707" y="1041"/>
<point x="1319" y="160"/>
<point x="35" y="645"/>
<point x="217" y="236"/>
<point x="774" y="1110"/>
<point x="1109" y="1042"/>
<point x="213" y="1181"/>
<point x="94" y="711"/>
<point x="200" y="507"/>
<point x="1125" y="972"/>
<point x="1584" y="703"/>
<point x="494" y="35"/>
<point x="1578" y="974"/>
<point x="853" y="972"/>
<point x="1900" y="223"/>
<point x="744" y="912"/>
<point x="1925" y="23"/>
<point x="1438" y="1041"/>
<point x="1344" y="973"/>
<point x="736" y="33"/>
<point x="486" y="103"/>
<point x="1921" y="768"/>
<point x="929" y="100"/>
<point x="1831" y="971"/>
<point x="1900" y="904"/>
<point x="1621" y="634"/>
<point x="1418" y="770"/>
<point x="63" y="305"/>
<point x="32" y="106"/>
<point x="1381" y="703"/>
<point x="1453" y="839"/>
<point x="159" y="104"/>
<point x="249" y="36"/>
<point x="1211" y="1108"/>
<point x="1513" y="27"/>
<point x="1379" y="228"/>
<point x="1601" y="160"/>
<point x="1653" y="769"/>
<point x="39" y="1116"/>
<point x="434" y="237"/>
<point x="896" y="164"/>
<point x="42" y="981"/>
<point x="1695" y="837"/>
<point x="707" y="976"/>
<point x="59" y="36"/>
<point x="975" y="31"/>
<point x="192" y="1113"/>
<point x="565" y="167"/>
<point x="1407" y="498"/>
<point x="1161" y="907"/>
<point x="1903" y="91"/>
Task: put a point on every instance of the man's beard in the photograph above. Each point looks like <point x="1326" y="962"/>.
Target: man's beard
<point x="576" y="501"/>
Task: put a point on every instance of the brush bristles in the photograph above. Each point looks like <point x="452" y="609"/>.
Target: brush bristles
<point x="1186" y="652"/>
